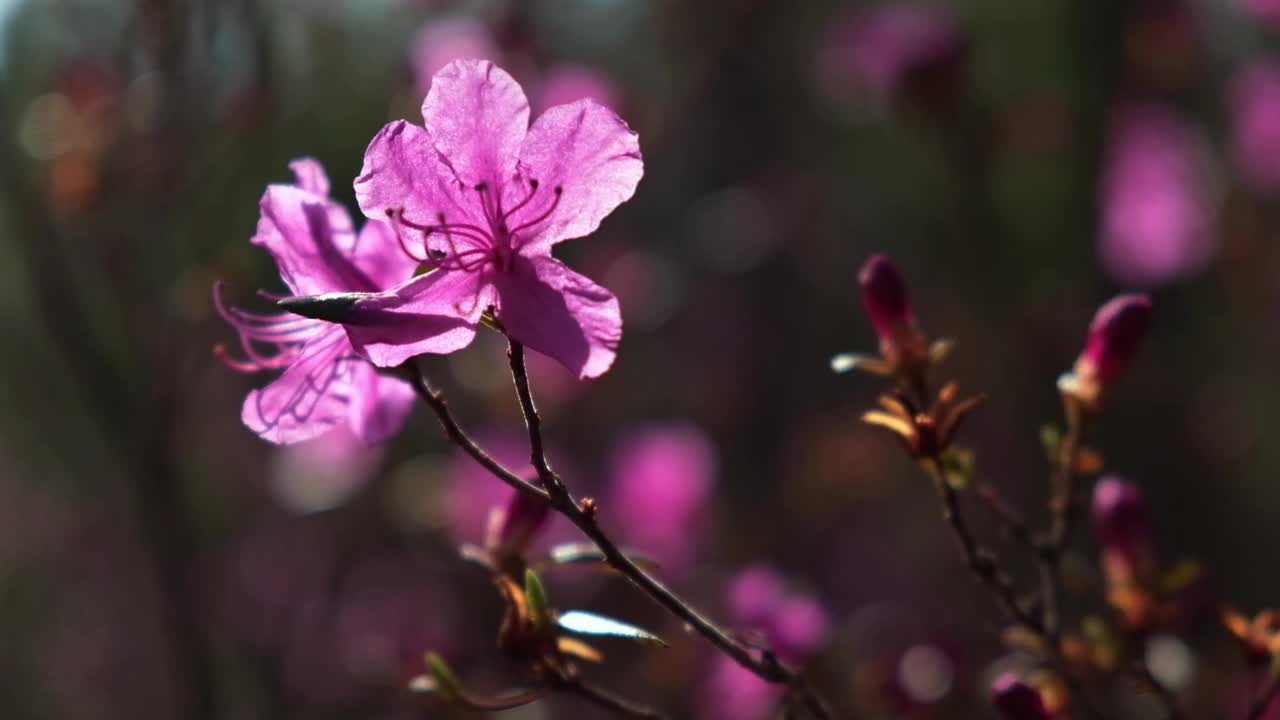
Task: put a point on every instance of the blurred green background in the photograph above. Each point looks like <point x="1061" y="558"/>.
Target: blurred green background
<point x="1022" y="161"/>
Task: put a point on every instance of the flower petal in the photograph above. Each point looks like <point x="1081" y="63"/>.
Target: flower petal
<point x="309" y="398"/>
<point x="311" y="176"/>
<point x="311" y="238"/>
<point x="477" y="115"/>
<point x="379" y="404"/>
<point x="404" y="172"/>
<point x="556" y="311"/>
<point x="433" y="313"/>
<point x="377" y="253"/>
<point x="589" y="152"/>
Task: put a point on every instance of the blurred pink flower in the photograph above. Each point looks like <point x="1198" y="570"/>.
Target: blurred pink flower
<point x="324" y="472"/>
<point x="564" y="83"/>
<point x="443" y="40"/>
<point x="324" y="383"/>
<point x="1264" y="10"/>
<point x="489" y="195"/>
<point x="794" y="624"/>
<point x="660" y="481"/>
<point x="891" y="49"/>
<point x="1157" y="211"/>
<point x="1255" y="124"/>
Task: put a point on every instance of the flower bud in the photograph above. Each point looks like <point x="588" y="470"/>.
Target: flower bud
<point x="1120" y="517"/>
<point x="521" y="520"/>
<point x="885" y="297"/>
<point x="1016" y="700"/>
<point x="1114" y="338"/>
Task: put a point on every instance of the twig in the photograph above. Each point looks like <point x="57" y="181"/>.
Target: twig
<point x="979" y="559"/>
<point x="766" y="666"/>
<point x="605" y="699"/>
<point x="1013" y="522"/>
<point x="1064" y="507"/>
<point x="553" y="491"/>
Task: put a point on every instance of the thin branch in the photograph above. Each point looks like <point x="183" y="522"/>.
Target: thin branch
<point x="980" y="560"/>
<point x="767" y="666"/>
<point x="1013" y="522"/>
<point x="606" y="699"/>
<point x="1064" y="507"/>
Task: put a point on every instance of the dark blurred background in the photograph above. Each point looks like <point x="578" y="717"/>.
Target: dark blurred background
<point x="1021" y="160"/>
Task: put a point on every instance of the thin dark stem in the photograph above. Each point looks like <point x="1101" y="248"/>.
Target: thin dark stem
<point x="1261" y="703"/>
<point x="436" y="401"/>
<point x="553" y="491"/>
<point x="1064" y="507"/>
<point x="979" y="559"/>
<point x="605" y="699"/>
<point x="767" y="666"/>
<point x="1013" y="522"/>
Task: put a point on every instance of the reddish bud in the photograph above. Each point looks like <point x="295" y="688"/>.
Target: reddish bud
<point x="521" y="520"/>
<point x="1016" y="700"/>
<point x="1115" y="335"/>
<point x="885" y="296"/>
<point x="1120" y="517"/>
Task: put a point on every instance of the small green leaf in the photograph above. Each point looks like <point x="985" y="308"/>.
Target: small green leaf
<point x="585" y="623"/>
<point x="958" y="466"/>
<point x="445" y="682"/>
<point x="1051" y="439"/>
<point x="536" y="596"/>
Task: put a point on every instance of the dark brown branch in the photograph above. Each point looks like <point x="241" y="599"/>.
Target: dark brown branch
<point x="766" y="666"/>
<point x="605" y="699"/>
<point x="1064" y="507"/>
<point x="980" y="560"/>
<point x="1008" y="515"/>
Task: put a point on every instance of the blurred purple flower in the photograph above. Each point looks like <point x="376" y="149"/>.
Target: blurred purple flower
<point x="322" y="473"/>
<point x="891" y="51"/>
<point x="1255" y="123"/>
<point x="1115" y="336"/>
<point x="490" y="196"/>
<point x="1157" y="212"/>
<point x="1264" y="10"/>
<point x="324" y="382"/>
<point x="565" y="83"/>
<point x="444" y="40"/>
<point x="1120" y="519"/>
<point x="794" y="624"/>
<point x="661" y="478"/>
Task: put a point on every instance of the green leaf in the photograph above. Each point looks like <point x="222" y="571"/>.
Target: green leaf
<point x="585" y="623"/>
<point x="1051" y="439"/>
<point x="536" y="596"/>
<point x="958" y="466"/>
<point x="445" y="682"/>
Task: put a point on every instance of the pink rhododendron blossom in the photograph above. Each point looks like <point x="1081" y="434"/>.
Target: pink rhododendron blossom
<point x="1255" y="124"/>
<point x="660" y="483"/>
<point x="324" y="382"/>
<point x="564" y="83"/>
<point x="890" y="49"/>
<point x="443" y="40"/>
<point x="485" y="196"/>
<point x="1156" y="209"/>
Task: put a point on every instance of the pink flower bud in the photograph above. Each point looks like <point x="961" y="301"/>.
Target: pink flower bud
<point x="1120" y="516"/>
<point x="1114" y="337"/>
<point x="1016" y="700"/>
<point x="885" y="296"/>
<point x="521" y="521"/>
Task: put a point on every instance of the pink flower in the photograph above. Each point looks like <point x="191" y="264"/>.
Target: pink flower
<point x="1255" y="124"/>
<point x="1115" y="336"/>
<point x="487" y="196"/>
<point x="1264" y="10"/>
<point x="1119" y="514"/>
<point x="324" y="382"/>
<point x="564" y="83"/>
<point x="1015" y="700"/>
<point x="444" y="40"/>
<point x="1156" y="208"/>
<point x="661" y="480"/>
